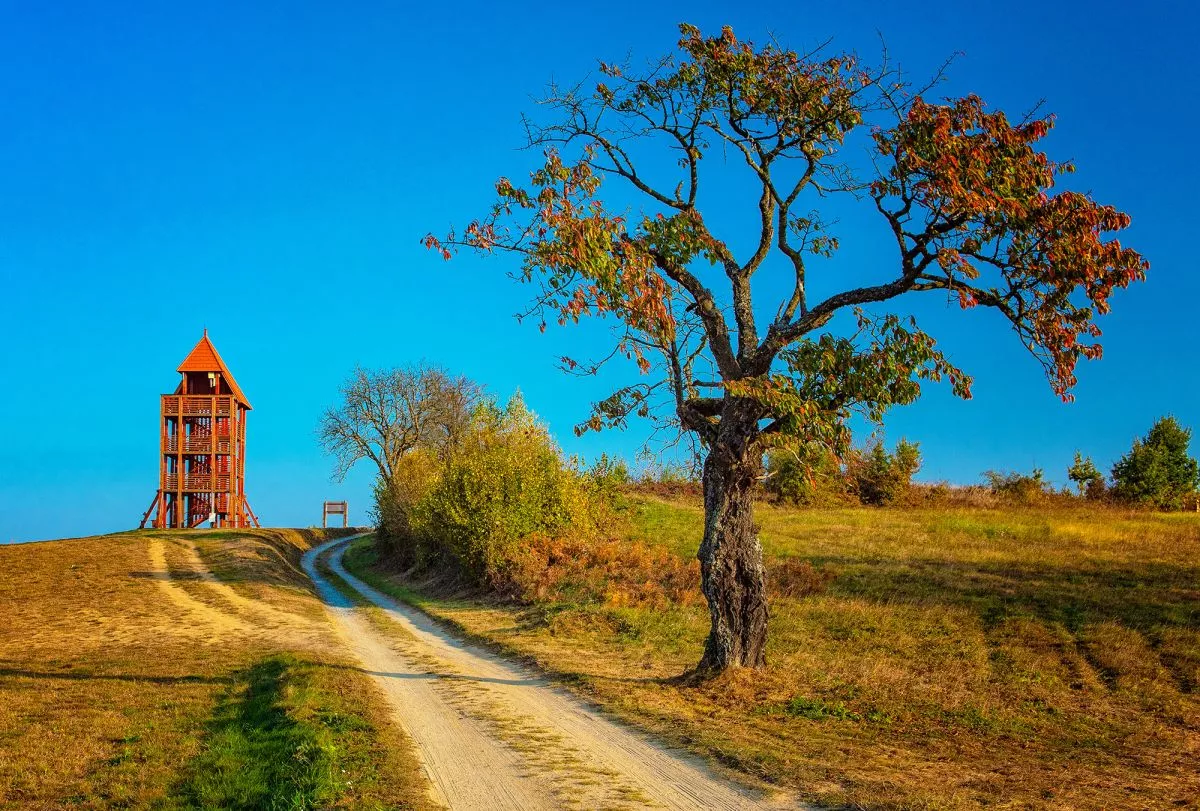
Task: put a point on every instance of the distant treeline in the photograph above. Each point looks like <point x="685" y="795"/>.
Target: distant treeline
<point x="1156" y="473"/>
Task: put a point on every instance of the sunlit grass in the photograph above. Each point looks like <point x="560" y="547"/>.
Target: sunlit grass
<point x="112" y="696"/>
<point x="961" y="657"/>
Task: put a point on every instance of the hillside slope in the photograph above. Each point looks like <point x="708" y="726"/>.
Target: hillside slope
<point x="184" y="669"/>
<point x="960" y="658"/>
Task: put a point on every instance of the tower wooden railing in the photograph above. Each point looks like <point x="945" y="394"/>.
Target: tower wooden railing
<point x="198" y="405"/>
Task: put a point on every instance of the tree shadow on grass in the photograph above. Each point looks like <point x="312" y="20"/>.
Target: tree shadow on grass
<point x="76" y="675"/>
<point x="167" y="576"/>
<point x="258" y="752"/>
<point x="1145" y="598"/>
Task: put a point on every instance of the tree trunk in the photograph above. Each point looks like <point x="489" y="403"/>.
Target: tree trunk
<point x="731" y="566"/>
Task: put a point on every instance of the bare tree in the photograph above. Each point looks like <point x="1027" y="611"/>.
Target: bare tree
<point x="386" y="414"/>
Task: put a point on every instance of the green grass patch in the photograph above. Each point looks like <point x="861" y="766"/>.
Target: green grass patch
<point x="281" y="738"/>
<point x="272" y="743"/>
<point x="812" y="709"/>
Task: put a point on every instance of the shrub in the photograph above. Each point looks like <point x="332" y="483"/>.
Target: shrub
<point x="606" y="571"/>
<point x="810" y="476"/>
<point x="814" y="476"/>
<point x="1157" y="471"/>
<point x="396" y="502"/>
<point x="505" y="482"/>
<point x="504" y="511"/>
<point x="609" y="470"/>
<point x="880" y="477"/>
<point x="607" y="477"/>
<point x="971" y="496"/>
<point x="669" y="480"/>
<point x="1018" y="488"/>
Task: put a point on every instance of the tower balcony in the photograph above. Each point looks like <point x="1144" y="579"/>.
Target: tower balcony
<point x="198" y="405"/>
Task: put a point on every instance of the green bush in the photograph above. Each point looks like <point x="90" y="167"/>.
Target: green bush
<point x="503" y="510"/>
<point x="609" y="471"/>
<point x="506" y="482"/>
<point x="607" y="478"/>
<point x="810" y="476"/>
<point x="395" y="503"/>
<point x="1087" y="478"/>
<point x="814" y="476"/>
<point x="1157" y="471"/>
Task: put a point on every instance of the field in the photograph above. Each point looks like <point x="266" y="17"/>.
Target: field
<point x="179" y="670"/>
<point x="958" y="658"/>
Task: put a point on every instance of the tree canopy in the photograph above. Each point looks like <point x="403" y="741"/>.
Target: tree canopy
<point x="385" y="414"/>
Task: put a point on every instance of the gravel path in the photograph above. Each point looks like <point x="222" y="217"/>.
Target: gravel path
<point x="492" y="735"/>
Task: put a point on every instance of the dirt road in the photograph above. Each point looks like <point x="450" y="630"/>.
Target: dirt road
<point x="495" y="736"/>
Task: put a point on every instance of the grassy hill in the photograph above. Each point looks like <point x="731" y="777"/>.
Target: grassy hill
<point x="950" y="658"/>
<point x="958" y="658"/>
<point x="184" y="669"/>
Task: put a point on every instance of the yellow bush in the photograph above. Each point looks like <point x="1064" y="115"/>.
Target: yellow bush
<point x="396" y="501"/>
<point x="506" y="512"/>
<point x="505" y="482"/>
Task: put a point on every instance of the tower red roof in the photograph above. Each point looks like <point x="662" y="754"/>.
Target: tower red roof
<point x="205" y="358"/>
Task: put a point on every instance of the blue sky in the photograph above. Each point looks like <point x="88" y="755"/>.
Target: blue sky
<point x="161" y="163"/>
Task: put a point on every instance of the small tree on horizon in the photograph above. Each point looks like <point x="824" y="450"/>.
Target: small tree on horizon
<point x="962" y="192"/>
<point x="1158" y="470"/>
<point x="881" y="477"/>
<point x="1085" y="475"/>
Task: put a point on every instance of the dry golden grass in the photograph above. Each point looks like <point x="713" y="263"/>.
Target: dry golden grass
<point x="117" y="653"/>
<point x="961" y="658"/>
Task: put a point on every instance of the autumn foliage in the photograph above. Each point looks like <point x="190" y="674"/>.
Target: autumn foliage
<point x="967" y="193"/>
<point x="991" y="190"/>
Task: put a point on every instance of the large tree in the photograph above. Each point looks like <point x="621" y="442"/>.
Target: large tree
<point x="962" y="193"/>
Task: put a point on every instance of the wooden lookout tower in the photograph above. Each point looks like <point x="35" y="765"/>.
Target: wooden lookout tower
<point x="202" y="447"/>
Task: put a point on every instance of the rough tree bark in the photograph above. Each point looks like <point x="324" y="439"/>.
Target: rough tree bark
<point x="731" y="561"/>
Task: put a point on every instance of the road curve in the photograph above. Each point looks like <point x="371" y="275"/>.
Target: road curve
<point x="493" y="735"/>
